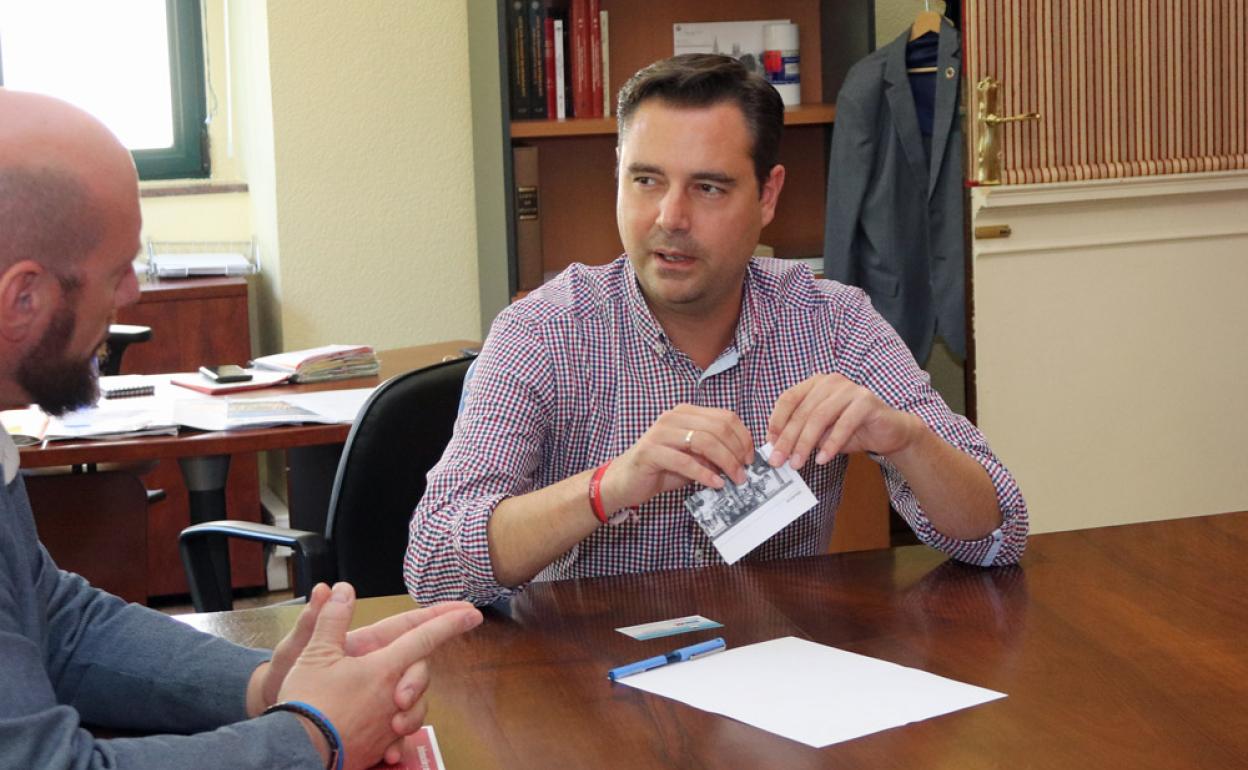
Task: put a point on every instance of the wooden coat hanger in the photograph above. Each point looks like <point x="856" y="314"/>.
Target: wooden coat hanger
<point x="927" y="21"/>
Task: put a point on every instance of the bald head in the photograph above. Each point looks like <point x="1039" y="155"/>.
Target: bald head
<point x="69" y="228"/>
<point x="63" y="175"/>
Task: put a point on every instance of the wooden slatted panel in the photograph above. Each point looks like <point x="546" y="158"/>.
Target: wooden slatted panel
<point x="1125" y="87"/>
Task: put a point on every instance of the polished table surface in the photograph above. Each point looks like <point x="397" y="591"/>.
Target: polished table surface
<point x="193" y="443"/>
<point x="1118" y="647"/>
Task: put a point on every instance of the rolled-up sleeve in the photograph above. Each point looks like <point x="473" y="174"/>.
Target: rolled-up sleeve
<point x="875" y="357"/>
<point x="494" y="454"/>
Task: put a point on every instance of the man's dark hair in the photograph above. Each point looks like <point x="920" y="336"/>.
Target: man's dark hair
<point x="48" y="216"/>
<point x="703" y="80"/>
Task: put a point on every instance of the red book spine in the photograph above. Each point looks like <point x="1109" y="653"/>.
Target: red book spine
<point x="548" y="37"/>
<point x="582" y="91"/>
<point x="595" y="58"/>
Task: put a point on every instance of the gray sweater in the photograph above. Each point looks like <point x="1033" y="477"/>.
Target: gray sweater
<point x="70" y="654"/>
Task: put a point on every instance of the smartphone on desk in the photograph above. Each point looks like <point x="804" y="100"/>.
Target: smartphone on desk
<point x="225" y="373"/>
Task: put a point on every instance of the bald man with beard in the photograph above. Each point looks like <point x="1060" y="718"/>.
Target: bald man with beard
<point x="72" y="654"/>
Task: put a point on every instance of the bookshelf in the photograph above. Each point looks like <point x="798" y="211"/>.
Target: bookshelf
<point x="577" y="155"/>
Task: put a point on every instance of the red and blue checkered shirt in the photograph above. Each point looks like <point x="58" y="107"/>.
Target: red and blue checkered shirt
<point x="573" y="374"/>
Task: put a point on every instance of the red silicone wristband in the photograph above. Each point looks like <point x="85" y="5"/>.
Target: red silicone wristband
<point x="595" y="492"/>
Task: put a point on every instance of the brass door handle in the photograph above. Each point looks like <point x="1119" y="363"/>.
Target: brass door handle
<point x="994" y="120"/>
<point x="988" y="152"/>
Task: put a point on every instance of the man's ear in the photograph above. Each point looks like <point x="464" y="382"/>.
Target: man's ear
<point x="771" y="193"/>
<point x="26" y="297"/>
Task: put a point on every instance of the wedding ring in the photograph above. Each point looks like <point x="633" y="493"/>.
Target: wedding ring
<point x="689" y="440"/>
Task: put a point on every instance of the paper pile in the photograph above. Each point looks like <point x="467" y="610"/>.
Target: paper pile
<point x="331" y="362"/>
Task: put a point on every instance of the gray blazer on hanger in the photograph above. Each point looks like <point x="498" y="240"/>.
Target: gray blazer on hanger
<point x="894" y="220"/>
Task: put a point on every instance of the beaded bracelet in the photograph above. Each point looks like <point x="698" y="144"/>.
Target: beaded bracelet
<point x="314" y="715"/>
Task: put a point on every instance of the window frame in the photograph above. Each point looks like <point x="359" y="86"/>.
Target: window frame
<point x="188" y="157"/>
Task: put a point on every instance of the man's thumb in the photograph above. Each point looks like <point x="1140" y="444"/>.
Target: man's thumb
<point x="333" y="621"/>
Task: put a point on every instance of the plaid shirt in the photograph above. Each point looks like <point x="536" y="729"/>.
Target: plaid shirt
<point x="573" y="374"/>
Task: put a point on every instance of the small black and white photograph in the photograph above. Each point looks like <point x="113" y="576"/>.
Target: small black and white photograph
<point x="735" y="516"/>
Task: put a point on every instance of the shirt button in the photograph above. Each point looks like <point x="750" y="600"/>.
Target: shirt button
<point x="659" y="348"/>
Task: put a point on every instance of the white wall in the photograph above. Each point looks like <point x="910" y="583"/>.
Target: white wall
<point x="1112" y="359"/>
<point x="373" y="163"/>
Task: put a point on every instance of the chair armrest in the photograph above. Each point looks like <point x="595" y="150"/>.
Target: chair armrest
<point x="205" y="557"/>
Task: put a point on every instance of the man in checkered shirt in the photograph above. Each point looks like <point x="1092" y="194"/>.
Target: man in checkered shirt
<point x="601" y="400"/>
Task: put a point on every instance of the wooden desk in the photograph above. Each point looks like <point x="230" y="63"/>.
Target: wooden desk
<point x="1118" y="647"/>
<point x="204" y="457"/>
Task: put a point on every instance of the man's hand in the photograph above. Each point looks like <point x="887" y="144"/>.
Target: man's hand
<point x="829" y="414"/>
<point x="371" y="682"/>
<point x="687" y="443"/>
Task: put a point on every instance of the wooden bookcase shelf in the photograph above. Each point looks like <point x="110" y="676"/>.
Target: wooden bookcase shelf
<point x="576" y="157"/>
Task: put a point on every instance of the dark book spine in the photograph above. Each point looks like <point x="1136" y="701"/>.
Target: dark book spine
<point x="535" y="27"/>
<point x="582" y="91"/>
<point x="595" y="58"/>
<point x="548" y="55"/>
<point x="517" y="43"/>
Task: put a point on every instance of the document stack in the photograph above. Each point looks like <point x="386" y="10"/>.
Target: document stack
<point x="331" y="362"/>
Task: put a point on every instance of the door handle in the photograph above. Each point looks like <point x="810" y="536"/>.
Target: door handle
<point x="987" y="150"/>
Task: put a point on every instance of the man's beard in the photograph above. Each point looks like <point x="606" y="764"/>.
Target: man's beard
<point x="57" y="384"/>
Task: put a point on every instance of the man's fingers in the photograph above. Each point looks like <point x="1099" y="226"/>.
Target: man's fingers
<point x="330" y="635"/>
<point x="783" y="410"/>
<point x="421" y="641"/>
<point x="711" y="448"/>
<point x="394" y="752"/>
<point x="373" y="637"/>
<point x="821" y="418"/>
<point x="687" y="466"/>
<point x="409" y="721"/>
<point x="844" y="430"/>
<point x="411" y="685"/>
<point x="306" y="623"/>
<point x="720" y="424"/>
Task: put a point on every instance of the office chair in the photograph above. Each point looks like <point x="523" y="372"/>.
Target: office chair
<point x="399" y="434"/>
<point x="120" y="337"/>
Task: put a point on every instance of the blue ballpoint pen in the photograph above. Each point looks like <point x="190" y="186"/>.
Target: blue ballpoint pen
<point x="675" y="656"/>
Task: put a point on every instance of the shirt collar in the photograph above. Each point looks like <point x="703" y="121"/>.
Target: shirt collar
<point x="10" y="458"/>
<point x="752" y="322"/>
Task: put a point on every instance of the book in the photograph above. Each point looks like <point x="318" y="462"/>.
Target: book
<point x="25" y="426"/>
<point x="561" y="73"/>
<point x="201" y="384"/>
<point x="329" y="362"/>
<point x="595" y="58"/>
<point x="582" y="92"/>
<point x="607" y="96"/>
<point x="518" y="75"/>
<point x="528" y="218"/>
<point x="548" y="54"/>
<point x="126" y="386"/>
<point x="535" y="28"/>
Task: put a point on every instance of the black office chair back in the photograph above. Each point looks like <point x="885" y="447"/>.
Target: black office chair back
<point x="396" y="439"/>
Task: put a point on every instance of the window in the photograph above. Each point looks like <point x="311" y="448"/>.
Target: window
<point x="137" y="66"/>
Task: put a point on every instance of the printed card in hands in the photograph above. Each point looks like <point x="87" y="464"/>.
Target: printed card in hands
<point x="739" y="518"/>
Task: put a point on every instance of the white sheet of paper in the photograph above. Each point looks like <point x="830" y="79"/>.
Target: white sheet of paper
<point x="739" y="519"/>
<point x="809" y="692"/>
<point x="335" y="405"/>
